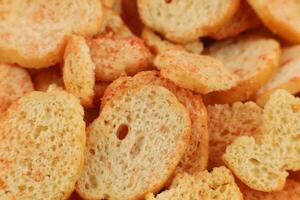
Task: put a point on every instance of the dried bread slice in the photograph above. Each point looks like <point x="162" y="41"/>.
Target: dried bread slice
<point x="217" y="185"/>
<point x="280" y="16"/>
<point x="115" y="56"/>
<point x="291" y="191"/>
<point x="198" y="73"/>
<point x="244" y="19"/>
<point x="42" y="144"/>
<point x="196" y="156"/>
<point x="226" y="123"/>
<point x="134" y="145"/>
<point x="79" y="70"/>
<point x="185" y="21"/>
<point x="33" y="33"/>
<point x="14" y="83"/>
<point x="262" y="162"/>
<point x="287" y="77"/>
<point x="46" y="77"/>
<point x="158" y="45"/>
<point x="252" y="58"/>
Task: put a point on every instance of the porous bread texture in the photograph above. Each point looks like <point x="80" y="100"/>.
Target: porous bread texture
<point x="199" y="73"/>
<point x="217" y="185"/>
<point x="196" y="155"/>
<point x="291" y="191"/>
<point x="243" y="19"/>
<point x="185" y="21"/>
<point x="46" y="77"/>
<point x="14" y="83"/>
<point x="115" y="56"/>
<point x="280" y="16"/>
<point x="33" y="33"/>
<point x="79" y="70"/>
<point x="135" y="144"/>
<point x="226" y="123"/>
<point x="158" y="45"/>
<point x="112" y="22"/>
<point x="252" y="58"/>
<point x="262" y="162"/>
<point x="287" y="77"/>
<point x="42" y="144"/>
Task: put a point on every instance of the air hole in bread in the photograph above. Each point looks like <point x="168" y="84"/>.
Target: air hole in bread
<point x="137" y="146"/>
<point x="92" y="151"/>
<point x="254" y="161"/>
<point x="122" y="131"/>
<point x="93" y="181"/>
<point x="168" y="1"/>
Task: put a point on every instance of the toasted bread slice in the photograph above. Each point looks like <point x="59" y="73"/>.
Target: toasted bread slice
<point x="287" y="77"/>
<point x="112" y="22"/>
<point x="262" y="162"/>
<point x="115" y="56"/>
<point x="158" y="45"/>
<point x="280" y="16"/>
<point x="198" y="73"/>
<point x="79" y="70"/>
<point x="217" y="185"/>
<point x="252" y="58"/>
<point x="46" y="77"/>
<point x="291" y="191"/>
<point x="33" y="33"/>
<point x="14" y="83"/>
<point x="226" y="123"/>
<point x="42" y="144"/>
<point x="135" y="144"/>
<point x="196" y="156"/>
<point x="185" y="21"/>
<point x="244" y="19"/>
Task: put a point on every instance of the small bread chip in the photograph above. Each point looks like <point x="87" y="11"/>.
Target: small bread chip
<point x="46" y="77"/>
<point x="115" y="56"/>
<point x="280" y="16"/>
<point x="196" y="156"/>
<point x="14" y="83"/>
<point x="135" y="144"/>
<point x="217" y="185"/>
<point x="79" y="70"/>
<point x="158" y="45"/>
<point x="33" y="33"/>
<point x="244" y="19"/>
<point x="252" y="58"/>
<point x="42" y="144"/>
<point x="226" y="123"/>
<point x="262" y="162"/>
<point x="287" y="77"/>
<point x="202" y="74"/>
<point x="185" y="21"/>
<point x="291" y="191"/>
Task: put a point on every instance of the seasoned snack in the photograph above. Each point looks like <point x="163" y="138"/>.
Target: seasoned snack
<point x="46" y="77"/>
<point x="33" y="33"/>
<point x="291" y="191"/>
<point x="198" y="73"/>
<point x="79" y="70"/>
<point x="280" y="16"/>
<point x="244" y="19"/>
<point x="262" y="162"/>
<point x="42" y="144"/>
<point x="287" y="77"/>
<point x="226" y="123"/>
<point x="196" y="156"/>
<point x="252" y="58"/>
<point x="185" y="21"/>
<point x="158" y="45"/>
<point x="115" y="56"/>
<point x="14" y="83"/>
<point x="134" y="145"/>
<point x="218" y="185"/>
